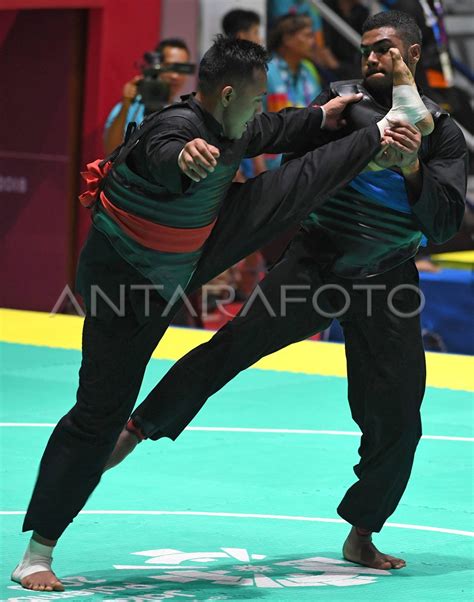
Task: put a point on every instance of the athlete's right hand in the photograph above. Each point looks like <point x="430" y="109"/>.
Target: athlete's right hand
<point x="130" y="90"/>
<point x="197" y="159"/>
<point x="334" y="109"/>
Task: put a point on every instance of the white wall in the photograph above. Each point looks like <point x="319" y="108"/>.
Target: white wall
<point x="180" y="19"/>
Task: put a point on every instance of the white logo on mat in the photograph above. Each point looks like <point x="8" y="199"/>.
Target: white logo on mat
<point x="257" y="570"/>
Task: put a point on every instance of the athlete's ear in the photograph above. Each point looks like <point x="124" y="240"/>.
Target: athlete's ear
<point x="227" y="95"/>
<point x="414" y="54"/>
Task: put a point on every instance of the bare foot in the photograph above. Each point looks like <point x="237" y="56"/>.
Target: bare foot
<point x="34" y="571"/>
<point x="361" y="550"/>
<point x="126" y="443"/>
<point x="42" y="581"/>
<point x="402" y="76"/>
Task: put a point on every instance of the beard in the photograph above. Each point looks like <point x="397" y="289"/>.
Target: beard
<point x="378" y="84"/>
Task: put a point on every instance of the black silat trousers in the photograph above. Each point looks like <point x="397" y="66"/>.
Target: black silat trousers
<point x="385" y="364"/>
<point x="116" y="349"/>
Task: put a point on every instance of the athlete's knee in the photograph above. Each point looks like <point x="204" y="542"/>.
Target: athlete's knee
<point x="406" y="430"/>
<point x="103" y="419"/>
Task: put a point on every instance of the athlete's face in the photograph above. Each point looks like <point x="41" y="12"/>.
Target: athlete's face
<point x="377" y="67"/>
<point x="241" y="103"/>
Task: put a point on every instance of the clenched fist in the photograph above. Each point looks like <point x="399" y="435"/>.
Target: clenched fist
<point x="197" y="159"/>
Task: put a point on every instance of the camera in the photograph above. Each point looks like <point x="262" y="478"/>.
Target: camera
<point x="155" y="92"/>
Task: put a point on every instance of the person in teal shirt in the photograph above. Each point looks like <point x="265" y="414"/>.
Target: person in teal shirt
<point x="278" y="8"/>
<point x="293" y="80"/>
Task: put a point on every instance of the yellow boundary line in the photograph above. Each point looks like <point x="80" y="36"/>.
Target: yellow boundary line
<point x="308" y="357"/>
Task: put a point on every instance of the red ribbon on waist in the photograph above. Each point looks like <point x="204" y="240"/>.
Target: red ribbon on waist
<point x="93" y="176"/>
<point x="156" y="236"/>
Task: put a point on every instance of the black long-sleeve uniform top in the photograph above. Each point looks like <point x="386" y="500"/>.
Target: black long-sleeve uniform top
<point x="154" y="158"/>
<point x="362" y="235"/>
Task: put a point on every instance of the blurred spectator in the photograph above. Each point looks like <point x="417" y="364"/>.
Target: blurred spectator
<point x="242" y="24"/>
<point x="320" y="52"/>
<point x="342" y="57"/>
<point x="278" y="8"/>
<point x="293" y="80"/>
<point x="131" y="107"/>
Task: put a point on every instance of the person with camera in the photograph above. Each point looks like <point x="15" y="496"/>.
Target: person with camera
<point x="166" y="219"/>
<point x="169" y="52"/>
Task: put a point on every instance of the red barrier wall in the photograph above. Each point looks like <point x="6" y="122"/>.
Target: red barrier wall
<point x="63" y="63"/>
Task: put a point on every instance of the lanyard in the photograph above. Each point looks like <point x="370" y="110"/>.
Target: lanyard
<point x="434" y="19"/>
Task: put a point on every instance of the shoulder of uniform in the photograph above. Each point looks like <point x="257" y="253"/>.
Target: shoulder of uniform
<point x="435" y="109"/>
<point x="177" y="109"/>
<point x="346" y="87"/>
<point x="181" y="111"/>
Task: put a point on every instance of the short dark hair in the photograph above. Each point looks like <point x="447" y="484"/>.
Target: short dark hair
<point x="173" y="43"/>
<point x="239" y="20"/>
<point x="403" y="23"/>
<point x="230" y="60"/>
<point x="287" y="24"/>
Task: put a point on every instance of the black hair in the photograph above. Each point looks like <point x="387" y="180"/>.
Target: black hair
<point x="239" y="20"/>
<point x="173" y="43"/>
<point x="287" y="24"/>
<point x="403" y="23"/>
<point x="230" y="60"/>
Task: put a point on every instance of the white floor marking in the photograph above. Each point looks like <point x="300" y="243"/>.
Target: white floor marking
<point x="311" y="519"/>
<point x="230" y="429"/>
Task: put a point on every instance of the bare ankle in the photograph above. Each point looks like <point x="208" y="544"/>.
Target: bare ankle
<point x="363" y="532"/>
<point x="134" y="429"/>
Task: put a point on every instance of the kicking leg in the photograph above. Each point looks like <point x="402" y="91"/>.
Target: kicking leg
<point x="407" y="103"/>
<point x="264" y="207"/>
<point x="260" y="328"/>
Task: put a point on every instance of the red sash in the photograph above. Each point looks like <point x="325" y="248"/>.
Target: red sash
<point x="155" y="236"/>
<point x="148" y="234"/>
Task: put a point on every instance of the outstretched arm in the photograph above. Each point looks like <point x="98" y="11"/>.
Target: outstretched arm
<point x="295" y="130"/>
